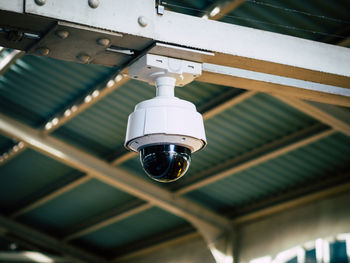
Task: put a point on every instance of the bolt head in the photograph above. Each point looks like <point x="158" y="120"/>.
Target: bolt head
<point x="63" y="34"/>
<point x="103" y="42"/>
<point x="40" y="2"/>
<point x="94" y="3"/>
<point x="44" y="51"/>
<point x="143" y="21"/>
<point x="85" y="58"/>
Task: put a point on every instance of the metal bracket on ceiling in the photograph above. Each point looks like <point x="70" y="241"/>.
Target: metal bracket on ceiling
<point x="86" y="45"/>
<point x="159" y="7"/>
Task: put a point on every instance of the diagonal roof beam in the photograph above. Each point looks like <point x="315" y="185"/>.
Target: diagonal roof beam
<point x="46" y="241"/>
<point x="333" y="116"/>
<point x="336" y="117"/>
<point x="244" y="161"/>
<point x="9" y="60"/>
<point x="208" y="223"/>
<point x="233" y="46"/>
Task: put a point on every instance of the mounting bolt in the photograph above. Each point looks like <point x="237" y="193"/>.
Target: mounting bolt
<point x="85" y="58"/>
<point x="40" y="2"/>
<point x="103" y="42"/>
<point x="94" y="3"/>
<point x="44" y="51"/>
<point x="143" y="21"/>
<point x="63" y="34"/>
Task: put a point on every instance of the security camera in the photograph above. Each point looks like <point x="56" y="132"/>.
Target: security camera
<point x="165" y="130"/>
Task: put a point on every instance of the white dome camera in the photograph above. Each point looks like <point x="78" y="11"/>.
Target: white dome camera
<point x="165" y="130"/>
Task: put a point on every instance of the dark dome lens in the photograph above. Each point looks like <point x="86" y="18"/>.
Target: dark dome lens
<point x="165" y="163"/>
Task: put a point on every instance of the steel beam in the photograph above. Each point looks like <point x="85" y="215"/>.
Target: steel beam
<point x="120" y="159"/>
<point x="51" y="196"/>
<point x="9" y="60"/>
<point x="233" y="46"/>
<point x="336" y="117"/>
<point x="276" y="85"/>
<point x="30" y="256"/>
<point x="312" y="197"/>
<point x="208" y="223"/>
<point x="43" y="240"/>
<point x="245" y="158"/>
<point x="223" y="8"/>
<point x="123" y="158"/>
<point x="108" y="221"/>
<point x="311" y="192"/>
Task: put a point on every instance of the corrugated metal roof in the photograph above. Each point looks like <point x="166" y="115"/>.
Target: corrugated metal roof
<point x="309" y="163"/>
<point x="35" y="88"/>
<point x="28" y="174"/>
<point x="82" y="203"/>
<point x="135" y="228"/>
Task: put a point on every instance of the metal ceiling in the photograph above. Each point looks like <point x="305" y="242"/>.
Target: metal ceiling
<point x="35" y="89"/>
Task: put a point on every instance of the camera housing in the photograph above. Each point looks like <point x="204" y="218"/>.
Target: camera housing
<point x="165" y="130"/>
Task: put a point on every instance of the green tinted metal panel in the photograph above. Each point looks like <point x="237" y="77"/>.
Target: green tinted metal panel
<point x="251" y="124"/>
<point x="325" y="21"/>
<point x="5" y="144"/>
<point x="140" y="226"/>
<point x="28" y="173"/>
<point x="35" y="88"/>
<point x="306" y="164"/>
<point x="101" y="129"/>
<point x="83" y="202"/>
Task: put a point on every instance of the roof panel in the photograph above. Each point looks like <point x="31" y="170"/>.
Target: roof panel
<point x="27" y="174"/>
<point x="311" y="162"/>
<point x="135" y="228"/>
<point x="82" y="203"/>
<point x="35" y="88"/>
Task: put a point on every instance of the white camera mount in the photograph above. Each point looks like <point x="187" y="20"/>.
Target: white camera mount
<point x="165" y="119"/>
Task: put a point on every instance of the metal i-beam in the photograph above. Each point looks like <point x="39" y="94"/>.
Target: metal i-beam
<point x="43" y="240"/>
<point x="311" y="192"/>
<point x="244" y="161"/>
<point x="9" y="60"/>
<point x="336" y="117"/>
<point x="222" y="8"/>
<point x="232" y="45"/>
<point x="212" y="226"/>
<point x="207" y="115"/>
<point x="120" y="159"/>
<point x="276" y="85"/>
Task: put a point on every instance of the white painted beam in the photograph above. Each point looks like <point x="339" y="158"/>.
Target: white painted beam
<point x="233" y="46"/>
<point x="276" y="85"/>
